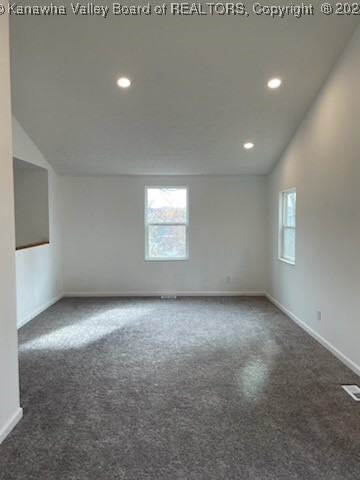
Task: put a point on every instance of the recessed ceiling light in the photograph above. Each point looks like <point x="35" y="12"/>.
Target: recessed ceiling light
<point x="124" y="82"/>
<point x="274" y="83"/>
<point x="248" y="145"/>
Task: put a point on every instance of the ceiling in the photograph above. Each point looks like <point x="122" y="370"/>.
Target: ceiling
<point x="199" y="88"/>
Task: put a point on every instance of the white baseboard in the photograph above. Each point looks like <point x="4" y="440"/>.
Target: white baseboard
<point x="4" y="432"/>
<point x="159" y="294"/>
<point x="39" y="310"/>
<point x="343" y="358"/>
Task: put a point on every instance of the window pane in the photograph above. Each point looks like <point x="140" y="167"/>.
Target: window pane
<point x="167" y="241"/>
<point x="166" y="205"/>
<point x="289" y="244"/>
<point x="290" y="209"/>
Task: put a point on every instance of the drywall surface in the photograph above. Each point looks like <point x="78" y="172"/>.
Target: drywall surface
<point x="103" y="236"/>
<point x="323" y="163"/>
<point x="10" y="411"/>
<point x="31" y="205"/>
<point x="38" y="269"/>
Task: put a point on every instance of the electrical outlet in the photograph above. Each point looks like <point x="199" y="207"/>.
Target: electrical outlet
<point x="319" y="315"/>
<point x="228" y="278"/>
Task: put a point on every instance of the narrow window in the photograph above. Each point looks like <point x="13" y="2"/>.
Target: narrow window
<point x="287" y="226"/>
<point x="166" y="223"/>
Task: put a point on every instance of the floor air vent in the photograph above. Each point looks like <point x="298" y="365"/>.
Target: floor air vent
<point x="353" y="391"/>
<point x="168" y="297"/>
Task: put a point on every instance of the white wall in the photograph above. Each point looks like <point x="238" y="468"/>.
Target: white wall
<point x="323" y="163"/>
<point x="103" y="236"/>
<point x="38" y="269"/>
<point x="31" y="205"/>
<point x="10" y="411"/>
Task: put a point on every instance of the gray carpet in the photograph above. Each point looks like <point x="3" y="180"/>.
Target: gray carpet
<point x="194" y="388"/>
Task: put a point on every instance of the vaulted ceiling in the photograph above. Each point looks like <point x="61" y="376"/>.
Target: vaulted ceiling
<point x="199" y="88"/>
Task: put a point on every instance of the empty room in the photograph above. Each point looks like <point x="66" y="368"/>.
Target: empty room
<point x="179" y="247"/>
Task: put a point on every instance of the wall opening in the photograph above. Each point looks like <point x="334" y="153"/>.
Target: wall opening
<point x="31" y="190"/>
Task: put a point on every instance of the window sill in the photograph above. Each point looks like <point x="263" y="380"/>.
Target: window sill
<point x="166" y="259"/>
<point x="289" y="262"/>
<point x="31" y="245"/>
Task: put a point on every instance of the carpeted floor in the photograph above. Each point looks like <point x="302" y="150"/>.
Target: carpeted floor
<point x="193" y="388"/>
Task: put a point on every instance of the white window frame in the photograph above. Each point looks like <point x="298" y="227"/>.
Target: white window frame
<point x="283" y="226"/>
<point x="185" y="224"/>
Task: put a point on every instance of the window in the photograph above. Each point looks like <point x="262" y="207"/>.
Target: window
<point x="287" y="226"/>
<point x="166" y="223"/>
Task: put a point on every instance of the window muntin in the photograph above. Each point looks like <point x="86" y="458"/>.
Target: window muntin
<point x="166" y="223"/>
<point x="287" y="226"/>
